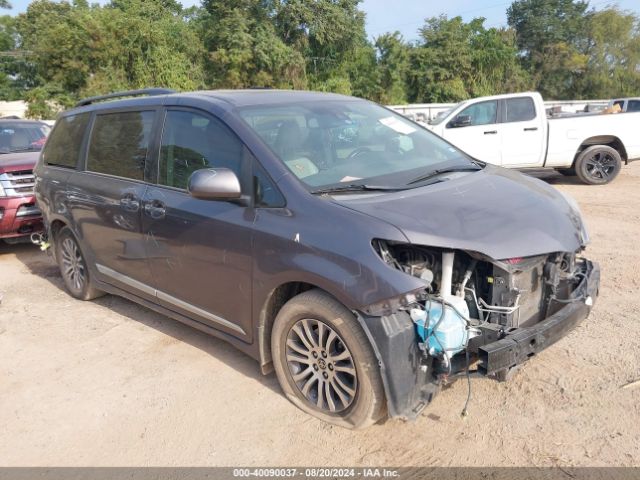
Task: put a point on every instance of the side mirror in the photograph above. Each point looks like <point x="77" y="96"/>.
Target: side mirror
<point x="214" y="184"/>
<point x="461" y="121"/>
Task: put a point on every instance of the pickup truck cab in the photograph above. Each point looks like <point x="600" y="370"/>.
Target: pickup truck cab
<point x="513" y="131"/>
<point x="626" y="104"/>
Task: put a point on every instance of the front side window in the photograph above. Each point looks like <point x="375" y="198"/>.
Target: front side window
<point x="326" y="143"/>
<point x="483" y="113"/>
<point x="265" y="191"/>
<point x="190" y="142"/>
<point x="119" y="144"/>
<point x="520" y="109"/>
<point x="63" y="147"/>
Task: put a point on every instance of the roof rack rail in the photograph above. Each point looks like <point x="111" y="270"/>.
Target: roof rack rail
<point x="129" y="93"/>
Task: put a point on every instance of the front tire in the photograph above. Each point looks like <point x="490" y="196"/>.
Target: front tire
<point x="73" y="267"/>
<point x="324" y="362"/>
<point x="598" y="165"/>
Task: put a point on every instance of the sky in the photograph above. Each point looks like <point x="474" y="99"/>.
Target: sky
<point x="407" y="16"/>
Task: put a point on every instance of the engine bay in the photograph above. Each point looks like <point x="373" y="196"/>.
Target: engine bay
<point x="470" y="300"/>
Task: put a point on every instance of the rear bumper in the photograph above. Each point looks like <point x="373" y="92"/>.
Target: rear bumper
<point x="523" y="343"/>
<point x="19" y="216"/>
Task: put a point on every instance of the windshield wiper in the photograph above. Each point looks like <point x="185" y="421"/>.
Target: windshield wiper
<point x="355" y="188"/>
<point x="440" y="171"/>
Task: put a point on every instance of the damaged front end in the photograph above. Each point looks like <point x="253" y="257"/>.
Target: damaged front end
<point x="474" y="313"/>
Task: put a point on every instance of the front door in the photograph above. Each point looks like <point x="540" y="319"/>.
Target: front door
<point x="199" y="250"/>
<point x="481" y="136"/>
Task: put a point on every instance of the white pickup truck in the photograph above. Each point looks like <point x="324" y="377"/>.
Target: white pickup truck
<point x="513" y="131"/>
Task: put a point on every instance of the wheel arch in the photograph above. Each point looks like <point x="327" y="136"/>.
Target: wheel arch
<point x="274" y="302"/>
<point x="55" y="226"/>
<point x="272" y="305"/>
<point x="605" y="140"/>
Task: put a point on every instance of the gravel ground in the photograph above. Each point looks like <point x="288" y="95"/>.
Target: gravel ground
<point x="109" y="383"/>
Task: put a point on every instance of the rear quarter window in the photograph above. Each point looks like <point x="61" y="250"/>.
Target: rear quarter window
<point x="119" y="144"/>
<point x="64" y="144"/>
<point x="520" y="109"/>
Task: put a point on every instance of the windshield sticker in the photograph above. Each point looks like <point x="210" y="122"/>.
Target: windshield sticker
<point x="397" y="125"/>
<point x="350" y="179"/>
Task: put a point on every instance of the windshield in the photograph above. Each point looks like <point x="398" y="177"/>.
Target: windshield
<point x="329" y="143"/>
<point x="22" y="136"/>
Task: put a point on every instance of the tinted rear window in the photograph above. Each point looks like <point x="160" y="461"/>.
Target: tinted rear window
<point x="520" y="109"/>
<point x="633" y="106"/>
<point x="65" y="142"/>
<point x="119" y="144"/>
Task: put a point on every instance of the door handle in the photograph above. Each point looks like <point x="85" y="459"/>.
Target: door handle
<point x="531" y="129"/>
<point x="155" y="209"/>
<point x="491" y="132"/>
<point x="131" y="203"/>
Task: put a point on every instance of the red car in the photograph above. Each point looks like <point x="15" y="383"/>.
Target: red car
<point x="20" y="143"/>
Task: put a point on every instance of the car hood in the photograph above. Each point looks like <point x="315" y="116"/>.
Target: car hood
<point x="11" y="162"/>
<point x="497" y="212"/>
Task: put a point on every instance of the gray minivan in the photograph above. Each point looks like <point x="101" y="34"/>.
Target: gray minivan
<point x="366" y="260"/>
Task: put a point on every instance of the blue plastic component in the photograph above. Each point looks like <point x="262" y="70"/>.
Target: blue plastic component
<point x="449" y="337"/>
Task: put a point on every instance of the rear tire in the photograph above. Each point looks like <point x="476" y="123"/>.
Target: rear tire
<point x="73" y="267"/>
<point x="324" y="362"/>
<point x="598" y="165"/>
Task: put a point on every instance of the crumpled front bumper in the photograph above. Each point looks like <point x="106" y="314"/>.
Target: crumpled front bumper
<point x="521" y="344"/>
<point x="408" y="377"/>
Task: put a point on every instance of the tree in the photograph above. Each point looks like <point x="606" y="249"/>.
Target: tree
<point x="549" y="36"/>
<point x="612" y="47"/>
<point x="244" y="49"/>
<point x="79" y="50"/>
<point x="393" y="66"/>
<point x="10" y="65"/>
<point x="331" y="36"/>
<point x="457" y="60"/>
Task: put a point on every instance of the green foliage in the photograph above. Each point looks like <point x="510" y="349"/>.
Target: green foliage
<point x="549" y="35"/>
<point x="244" y="49"/>
<point x="77" y="50"/>
<point x="613" y="51"/>
<point x="59" y="51"/>
<point x="457" y="60"/>
<point x="393" y="67"/>
<point x="8" y="64"/>
<point x="39" y="103"/>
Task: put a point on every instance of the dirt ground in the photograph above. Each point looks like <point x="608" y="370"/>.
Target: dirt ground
<point x="109" y="383"/>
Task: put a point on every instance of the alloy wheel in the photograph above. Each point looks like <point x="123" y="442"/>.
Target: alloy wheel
<point x="321" y="365"/>
<point x="73" y="267"/>
<point x="600" y="165"/>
